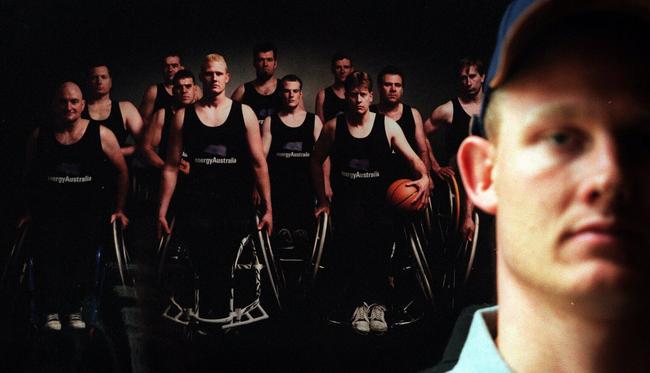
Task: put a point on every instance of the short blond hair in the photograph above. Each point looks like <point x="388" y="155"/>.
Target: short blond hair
<point x="213" y="57"/>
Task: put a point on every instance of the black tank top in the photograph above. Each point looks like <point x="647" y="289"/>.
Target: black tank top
<point x="401" y="167"/>
<point x="332" y="104"/>
<point x="458" y="130"/>
<point x="406" y="122"/>
<point x="114" y="122"/>
<point x="289" y="157"/>
<point x="360" y="167"/>
<point x="163" y="98"/>
<point x="262" y="105"/>
<point x="69" y="179"/>
<point x="220" y="164"/>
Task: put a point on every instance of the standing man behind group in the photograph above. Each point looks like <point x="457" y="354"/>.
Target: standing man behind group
<point x="222" y="140"/>
<point x="262" y="94"/>
<point x="330" y="101"/>
<point x="565" y="170"/>
<point x="121" y="117"/>
<point x="157" y="132"/>
<point x="161" y="95"/>
<point x="391" y="91"/>
<point x="289" y="137"/>
<point x="449" y="124"/>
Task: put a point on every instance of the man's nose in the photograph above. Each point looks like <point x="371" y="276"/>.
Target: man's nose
<point x="604" y="180"/>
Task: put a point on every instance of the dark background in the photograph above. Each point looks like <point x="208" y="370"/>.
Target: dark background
<point x="43" y="44"/>
<point x="46" y="43"/>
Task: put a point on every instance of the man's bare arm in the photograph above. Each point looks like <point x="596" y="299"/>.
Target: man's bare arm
<point x="441" y="115"/>
<point x="151" y="139"/>
<point x="148" y="100"/>
<point x="320" y="153"/>
<point x="260" y="166"/>
<point x="111" y="149"/>
<point x="266" y="136"/>
<point x="238" y="94"/>
<point x="320" y="100"/>
<point x="170" y="169"/>
<point x="133" y="123"/>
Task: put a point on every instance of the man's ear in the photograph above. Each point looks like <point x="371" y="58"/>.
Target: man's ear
<point x="476" y="164"/>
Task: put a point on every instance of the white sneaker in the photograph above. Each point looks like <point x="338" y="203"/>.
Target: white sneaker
<point x="76" y="322"/>
<point x="360" y="322"/>
<point x="52" y="322"/>
<point x="378" y="319"/>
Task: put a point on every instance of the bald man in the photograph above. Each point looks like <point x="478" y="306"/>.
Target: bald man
<point x="66" y="201"/>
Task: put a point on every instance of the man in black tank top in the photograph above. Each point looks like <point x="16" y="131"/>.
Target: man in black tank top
<point x="160" y="95"/>
<point x="288" y="138"/>
<point x="359" y="143"/>
<point x="449" y="125"/>
<point x="391" y="91"/>
<point x="224" y="147"/>
<point x="154" y="142"/>
<point x="330" y="101"/>
<point x="121" y="117"/>
<point x="261" y="94"/>
<point x="67" y="204"/>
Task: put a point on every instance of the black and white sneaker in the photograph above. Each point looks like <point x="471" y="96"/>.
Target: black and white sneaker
<point x="378" y="323"/>
<point x="76" y="322"/>
<point x="360" y="322"/>
<point x="52" y="322"/>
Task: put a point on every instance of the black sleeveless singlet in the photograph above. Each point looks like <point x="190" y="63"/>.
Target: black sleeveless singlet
<point x="289" y="157"/>
<point x="68" y="179"/>
<point x="220" y="163"/>
<point x="360" y="167"/>
<point x="114" y="122"/>
<point x="458" y="130"/>
<point x="262" y="105"/>
<point x="332" y="104"/>
<point x="401" y="168"/>
<point x="163" y="98"/>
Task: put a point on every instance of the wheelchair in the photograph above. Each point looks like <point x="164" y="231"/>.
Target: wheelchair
<point x="410" y="278"/>
<point x="254" y="265"/>
<point x="454" y="254"/>
<point x="18" y="285"/>
<point x="430" y="260"/>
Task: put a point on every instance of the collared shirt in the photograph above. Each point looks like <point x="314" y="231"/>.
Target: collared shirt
<point x="479" y="353"/>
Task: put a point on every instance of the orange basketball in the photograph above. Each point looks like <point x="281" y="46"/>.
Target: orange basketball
<point x="400" y="196"/>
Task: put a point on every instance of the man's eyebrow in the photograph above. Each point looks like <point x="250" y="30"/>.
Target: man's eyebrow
<point x="555" y="110"/>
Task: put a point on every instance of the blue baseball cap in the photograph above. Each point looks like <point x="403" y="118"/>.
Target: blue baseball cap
<point x="526" y="19"/>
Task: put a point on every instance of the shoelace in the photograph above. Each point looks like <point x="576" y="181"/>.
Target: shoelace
<point x="377" y="312"/>
<point x="52" y="317"/>
<point x="75" y="317"/>
<point x="361" y="313"/>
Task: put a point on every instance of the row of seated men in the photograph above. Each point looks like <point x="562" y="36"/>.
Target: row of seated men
<point x="231" y="153"/>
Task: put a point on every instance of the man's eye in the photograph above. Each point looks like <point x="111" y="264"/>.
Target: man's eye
<point x="565" y="140"/>
<point x="560" y="138"/>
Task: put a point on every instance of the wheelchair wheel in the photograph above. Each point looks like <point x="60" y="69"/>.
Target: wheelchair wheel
<point x="322" y="229"/>
<point x="459" y="265"/>
<point x="275" y="276"/>
<point x="121" y="254"/>
<point x="446" y="209"/>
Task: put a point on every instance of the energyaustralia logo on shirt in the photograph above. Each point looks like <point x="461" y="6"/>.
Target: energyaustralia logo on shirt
<point x="360" y="169"/>
<point x="72" y="174"/>
<point x="215" y="154"/>
<point x="292" y="149"/>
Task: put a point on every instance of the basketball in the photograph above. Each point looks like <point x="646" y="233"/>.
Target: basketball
<point x="400" y="196"/>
